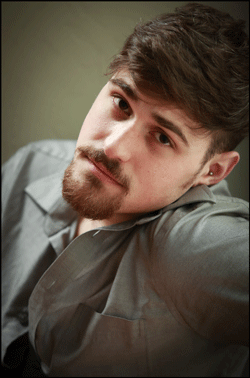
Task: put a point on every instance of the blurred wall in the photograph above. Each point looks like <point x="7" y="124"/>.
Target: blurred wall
<point x="54" y="56"/>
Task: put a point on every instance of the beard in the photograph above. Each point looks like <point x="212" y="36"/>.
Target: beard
<point x="86" y="193"/>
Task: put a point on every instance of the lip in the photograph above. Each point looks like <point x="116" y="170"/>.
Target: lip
<point x="102" y="173"/>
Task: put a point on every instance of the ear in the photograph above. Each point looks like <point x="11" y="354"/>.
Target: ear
<point x="220" y="166"/>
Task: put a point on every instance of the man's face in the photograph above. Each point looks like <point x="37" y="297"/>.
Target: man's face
<point x="133" y="155"/>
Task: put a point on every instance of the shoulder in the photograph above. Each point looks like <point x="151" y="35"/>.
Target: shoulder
<point x="57" y="149"/>
<point x="32" y="162"/>
<point x="60" y="149"/>
<point x="37" y="159"/>
<point x="196" y="225"/>
<point x="200" y="266"/>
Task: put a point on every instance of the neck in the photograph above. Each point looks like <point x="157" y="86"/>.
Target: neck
<point x="85" y="225"/>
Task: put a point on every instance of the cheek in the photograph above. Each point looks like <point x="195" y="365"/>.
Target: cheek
<point x="94" y="125"/>
<point x="160" y="183"/>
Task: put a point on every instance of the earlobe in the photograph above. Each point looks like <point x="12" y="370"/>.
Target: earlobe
<point x="224" y="164"/>
<point x="219" y="168"/>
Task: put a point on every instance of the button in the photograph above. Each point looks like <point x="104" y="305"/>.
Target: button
<point x="23" y="318"/>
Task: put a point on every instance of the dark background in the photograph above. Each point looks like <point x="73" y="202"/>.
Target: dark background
<point x="54" y="56"/>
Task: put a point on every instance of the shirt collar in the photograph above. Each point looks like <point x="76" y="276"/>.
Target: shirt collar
<point x="47" y="193"/>
<point x="200" y="193"/>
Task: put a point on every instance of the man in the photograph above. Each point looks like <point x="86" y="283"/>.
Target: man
<point x="141" y="269"/>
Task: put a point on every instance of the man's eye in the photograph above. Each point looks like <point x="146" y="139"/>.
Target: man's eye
<point x="121" y="103"/>
<point x="162" y="138"/>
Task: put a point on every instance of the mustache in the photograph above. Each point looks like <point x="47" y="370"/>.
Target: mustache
<point x="112" y="165"/>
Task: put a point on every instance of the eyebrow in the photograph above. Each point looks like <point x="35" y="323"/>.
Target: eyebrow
<point x="126" y="88"/>
<point x="163" y="122"/>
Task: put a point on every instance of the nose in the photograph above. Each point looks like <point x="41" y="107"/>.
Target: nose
<point x="122" y="142"/>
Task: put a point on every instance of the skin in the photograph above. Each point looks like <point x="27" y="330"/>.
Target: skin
<point x="155" y="164"/>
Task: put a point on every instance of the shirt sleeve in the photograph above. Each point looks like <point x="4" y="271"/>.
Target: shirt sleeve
<point x="26" y="249"/>
<point x="201" y="270"/>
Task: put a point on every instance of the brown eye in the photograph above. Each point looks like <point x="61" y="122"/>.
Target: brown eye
<point x="121" y="103"/>
<point x="162" y="138"/>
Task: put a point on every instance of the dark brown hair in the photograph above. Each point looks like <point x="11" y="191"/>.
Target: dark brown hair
<point x="196" y="58"/>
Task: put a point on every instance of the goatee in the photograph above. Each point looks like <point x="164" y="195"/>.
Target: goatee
<point x="86" y="193"/>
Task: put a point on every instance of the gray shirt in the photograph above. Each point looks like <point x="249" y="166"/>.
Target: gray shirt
<point x="163" y="295"/>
